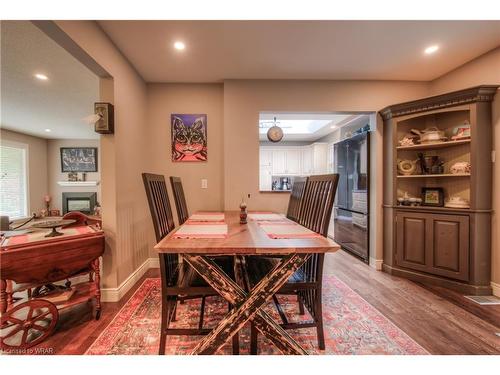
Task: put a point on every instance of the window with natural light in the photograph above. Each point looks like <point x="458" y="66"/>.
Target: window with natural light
<point x="13" y="192"/>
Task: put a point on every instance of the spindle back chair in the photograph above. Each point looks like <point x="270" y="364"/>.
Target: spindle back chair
<point x="295" y="202"/>
<point x="315" y="211"/>
<point x="178" y="281"/>
<point x="180" y="199"/>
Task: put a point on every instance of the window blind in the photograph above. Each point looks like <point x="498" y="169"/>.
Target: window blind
<point x="13" y="189"/>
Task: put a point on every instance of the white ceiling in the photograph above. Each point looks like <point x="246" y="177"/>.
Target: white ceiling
<point x="29" y="105"/>
<point x="379" y="50"/>
<point x="307" y="127"/>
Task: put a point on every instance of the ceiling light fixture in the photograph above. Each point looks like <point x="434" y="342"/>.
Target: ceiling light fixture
<point x="333" y="127"/>
<point x="431" y="49"/>
<point x="48" y="130"/>
<point x="179" y="46"/>
<point x="41" y="77"/>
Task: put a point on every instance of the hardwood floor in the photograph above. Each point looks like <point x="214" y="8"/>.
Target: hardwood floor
<point x="443" y="322"/>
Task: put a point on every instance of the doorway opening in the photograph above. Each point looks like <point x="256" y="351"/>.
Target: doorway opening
<point x="293" y="144"/>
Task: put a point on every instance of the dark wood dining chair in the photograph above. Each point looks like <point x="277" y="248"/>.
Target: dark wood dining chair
<point x="178" y="281"/>
<point x="180" y="199"/>
<point x="314" y="213"/>
<point x="295" y="201"/>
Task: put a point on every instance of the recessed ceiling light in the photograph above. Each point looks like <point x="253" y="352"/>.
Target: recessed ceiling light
<point x="431" y="49"/>
<point x="48" y="130"/>
<point x="333" y="127"/>
<point x="41" y="77"/>
<point x="179" y="46"/>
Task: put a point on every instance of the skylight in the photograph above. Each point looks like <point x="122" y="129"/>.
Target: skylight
<point x="294" y="126"/>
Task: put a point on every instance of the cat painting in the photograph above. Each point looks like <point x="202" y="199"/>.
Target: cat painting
<point x="189" y="137"/>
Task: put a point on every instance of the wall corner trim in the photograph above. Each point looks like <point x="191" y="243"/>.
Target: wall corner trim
<point x="376" y="263"/>
<point x="496" y="289"/>
<point x="115" y="294"/>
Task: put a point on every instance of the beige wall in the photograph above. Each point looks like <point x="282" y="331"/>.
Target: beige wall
<point x="55" y="174"/>
<point x="483" y="70"/>
<point x="127" y="153"/>
<point x="165" y="99"/>
<point x="37" y="167"/>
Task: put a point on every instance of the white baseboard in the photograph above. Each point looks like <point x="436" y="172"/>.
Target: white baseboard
<point x="154" y="262"/>
<point x="115" y="294"/>
<point x="496" y="289"/>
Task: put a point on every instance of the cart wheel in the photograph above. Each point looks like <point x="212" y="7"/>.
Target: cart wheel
<point x="27" y="324"/>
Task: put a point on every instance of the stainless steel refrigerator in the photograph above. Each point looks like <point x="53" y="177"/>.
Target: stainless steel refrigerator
<point x="351" y="210"/>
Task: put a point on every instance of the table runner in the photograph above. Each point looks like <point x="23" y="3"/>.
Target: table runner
<point x="265" y="216"/>
<point x="202" y="230"/>
<point x="285" y="230"/>
<point x="206" y="216"/>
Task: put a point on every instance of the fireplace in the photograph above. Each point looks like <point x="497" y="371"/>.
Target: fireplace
<point x="83" y="202"/>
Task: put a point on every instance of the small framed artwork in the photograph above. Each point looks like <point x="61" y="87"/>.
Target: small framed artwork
<point x="433" y="197"/>
<point x="78" y="159"/>
<point x="189" y="137"/>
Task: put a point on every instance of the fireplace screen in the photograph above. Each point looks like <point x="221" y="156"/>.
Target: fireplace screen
<point x="79" y="205"/>
<point x="83" y="202"/>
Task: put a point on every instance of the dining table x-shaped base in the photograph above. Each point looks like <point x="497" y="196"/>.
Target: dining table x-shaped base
<point x="247" y="306"/>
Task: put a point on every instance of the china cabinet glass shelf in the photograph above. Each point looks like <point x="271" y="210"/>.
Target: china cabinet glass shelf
<point x="435" y="175"/>
<point x="436" y="145"/>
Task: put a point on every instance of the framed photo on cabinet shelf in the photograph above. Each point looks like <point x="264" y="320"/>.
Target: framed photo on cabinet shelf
<point x="433" y="197"/>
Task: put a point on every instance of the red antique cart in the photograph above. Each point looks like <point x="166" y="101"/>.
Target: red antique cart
<point x="30" y="265"/>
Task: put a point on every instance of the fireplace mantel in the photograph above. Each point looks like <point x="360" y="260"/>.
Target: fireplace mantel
<point x="78" y="183"/>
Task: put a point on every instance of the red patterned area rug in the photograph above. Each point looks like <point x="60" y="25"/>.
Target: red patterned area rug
<point x="352" y="325"/>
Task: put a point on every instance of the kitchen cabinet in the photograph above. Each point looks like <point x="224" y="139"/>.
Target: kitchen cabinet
<point x="293" y="162"/>
<point x="265" y="157"/>
<point x="265" y="178"/>
<point x="279" y="162"/>
<point x="320" y="158"/>
<point x="307" y="160"/>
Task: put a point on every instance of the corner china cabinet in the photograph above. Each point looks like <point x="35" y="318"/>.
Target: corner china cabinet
<point x="445" y="244"/>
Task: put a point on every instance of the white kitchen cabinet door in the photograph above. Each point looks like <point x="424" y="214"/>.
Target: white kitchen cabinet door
<point x="265" y="157"/>
<point x="293" y="157"/>
<point x="307" y="161"/>
<point x="265" y="179"/>
<point x="320" y="158"/>
<point x="331" y="158"/>
<point x="279" y="162"/>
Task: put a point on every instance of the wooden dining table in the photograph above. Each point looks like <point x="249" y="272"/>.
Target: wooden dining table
<point x="245" y="240"/>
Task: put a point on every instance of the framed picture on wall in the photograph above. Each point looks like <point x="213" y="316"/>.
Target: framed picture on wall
<point x="78" y="159"/>
<point x="189" y="137"/>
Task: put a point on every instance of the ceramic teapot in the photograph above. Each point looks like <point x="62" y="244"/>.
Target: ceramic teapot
<point x="407" y="167"/>
<point x="429" y="135"/>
